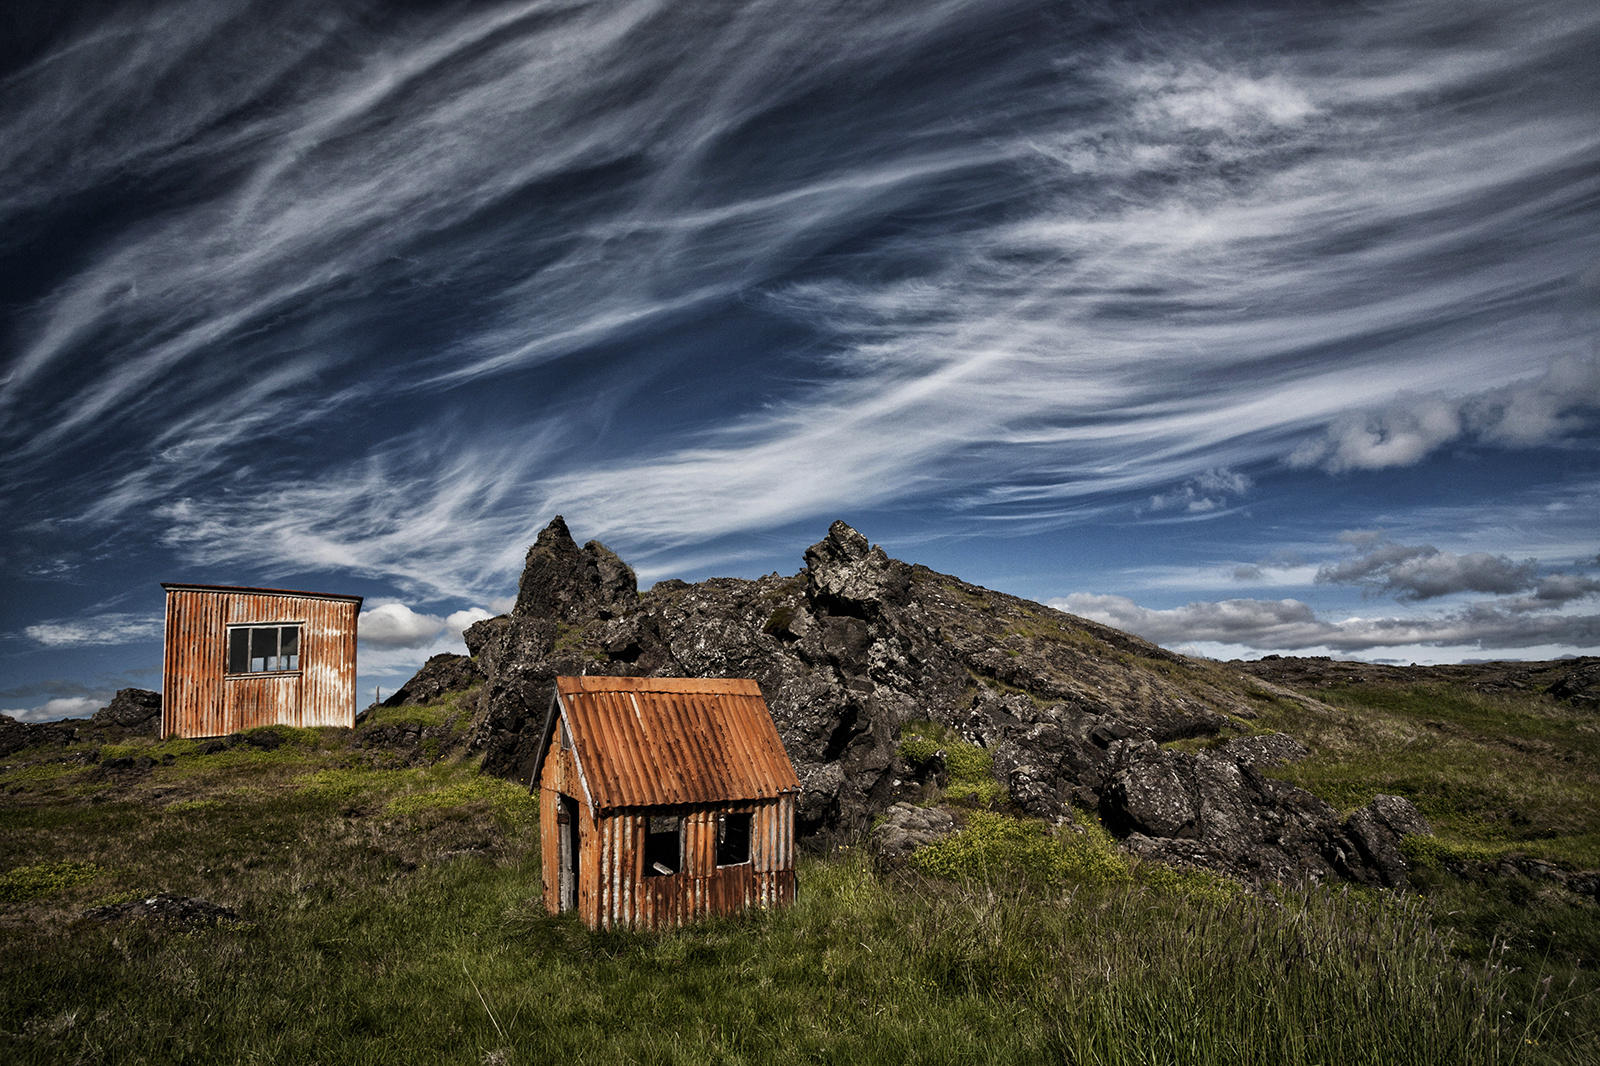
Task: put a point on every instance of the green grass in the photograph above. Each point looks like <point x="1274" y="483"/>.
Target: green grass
<point x="969" y="767"/>
<point x="458" y="963"/>
<point x="46" y="879"/>
<point x="392" y="914"/>
<point x="1518" y="775"/>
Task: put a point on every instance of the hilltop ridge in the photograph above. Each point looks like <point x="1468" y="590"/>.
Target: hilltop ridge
<point x="857" y="646"/>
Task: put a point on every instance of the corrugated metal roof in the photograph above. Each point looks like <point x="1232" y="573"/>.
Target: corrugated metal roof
<point x="171" y="586"/>
<point x="648" y="741"/>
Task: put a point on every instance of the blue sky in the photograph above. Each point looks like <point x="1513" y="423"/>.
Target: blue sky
<point x="1250" y="328"/>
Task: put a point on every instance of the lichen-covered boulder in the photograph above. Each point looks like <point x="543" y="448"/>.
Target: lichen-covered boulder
<point x="905" y="828"/>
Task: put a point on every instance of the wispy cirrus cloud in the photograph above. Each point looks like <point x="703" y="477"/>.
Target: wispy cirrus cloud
<point x="1205" y="220"/>
<point x="96" y="630"/>
<point x="375" y="292"/>
<point x="449" y="531"/>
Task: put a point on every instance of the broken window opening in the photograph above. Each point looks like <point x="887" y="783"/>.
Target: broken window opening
<point x="263" y="649"/>
<point x="663" y="845"/>
<point x="733" y="838"/>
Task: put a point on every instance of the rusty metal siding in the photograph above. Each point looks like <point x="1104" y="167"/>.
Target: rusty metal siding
<point x="621" y="895"/>
<point x="690" y="747"/>
<point x="677" y="741"/>
<point x="255" y="701"/>
<point x="557" y="776"/>
<point x="191" y="686"/>
<point x="200" y="699"/>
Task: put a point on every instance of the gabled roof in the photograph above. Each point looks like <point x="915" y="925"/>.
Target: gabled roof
<point x="650" y="741"/>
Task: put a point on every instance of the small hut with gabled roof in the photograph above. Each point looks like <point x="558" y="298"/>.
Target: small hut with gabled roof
<point x="663" y="800"/>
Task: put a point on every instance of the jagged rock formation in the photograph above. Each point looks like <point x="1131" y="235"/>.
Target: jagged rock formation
<point x="131" y="712"/>
<point x="857" y="644"/>
<point x="134" y="709"/>
<point x="905" y="828"/>
<point x="440" y="674"/>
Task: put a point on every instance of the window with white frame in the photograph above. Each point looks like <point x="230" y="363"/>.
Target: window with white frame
<point x="263" y="649"/>
<point x="733" y="838"/>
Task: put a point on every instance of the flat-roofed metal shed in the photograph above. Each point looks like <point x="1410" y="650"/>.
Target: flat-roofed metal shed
<point x="663" y="800"/>
<point x="237" y="658"/>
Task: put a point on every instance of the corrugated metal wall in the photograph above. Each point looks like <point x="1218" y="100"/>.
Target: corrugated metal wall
<point x="200" y="700"/>
<point x="614" y="892"/>
<point x="612" y="888"/>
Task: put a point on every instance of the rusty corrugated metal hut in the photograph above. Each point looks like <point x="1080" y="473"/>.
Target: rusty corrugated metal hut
<point x="237" y="658"/>
<point x="663" y="800"/>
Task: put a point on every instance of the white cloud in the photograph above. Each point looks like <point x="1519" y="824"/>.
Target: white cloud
<point x="60" y="707"/>
<point x="1421" y="572"/>
<point x="457" y="621"/>
<point x="107" y="629"/>
<point x="1209" y="492"/>
<point x="394" y="625"/>
<point x="1538" y="410"/>
<point x="1293" y="626"/>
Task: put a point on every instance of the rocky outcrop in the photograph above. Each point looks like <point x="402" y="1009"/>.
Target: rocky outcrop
<point x="1377" y="830"/>
<point x="165" y="908"/>
<point x="858" y="644"/>
<point x="904" y="828"/>
<point x="1579" y="684"/>
<point x="14" y="735"/>
<point x="133" y="709"/>
<point x="131" y="712"/>
<point x="564" y="583"/>
<point x="440" y="674"/>
<point x="1575" y="681"/>
<point x="1216" y="809"/>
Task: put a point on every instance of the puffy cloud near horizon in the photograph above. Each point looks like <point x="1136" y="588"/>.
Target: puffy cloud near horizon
<point x="1415" y="572"/>
<point x="60" y="707"/>
<point x="394" y="625"/>
<point x="1292" y="625"/>
<point x="1543" y="615"/>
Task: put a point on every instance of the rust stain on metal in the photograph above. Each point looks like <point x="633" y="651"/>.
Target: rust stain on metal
<point x="679" y="801"/>
<point x="311" y="684"/>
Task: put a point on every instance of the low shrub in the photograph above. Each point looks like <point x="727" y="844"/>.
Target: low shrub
<point x="46" y="879"/>
<point x="969" y="767"/>
<point x="993" y="846"/>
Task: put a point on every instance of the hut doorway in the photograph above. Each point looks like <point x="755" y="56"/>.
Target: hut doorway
<point x="567" y="819"/>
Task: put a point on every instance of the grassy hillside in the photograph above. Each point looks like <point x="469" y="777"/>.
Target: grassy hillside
<point x="387" y="910"/>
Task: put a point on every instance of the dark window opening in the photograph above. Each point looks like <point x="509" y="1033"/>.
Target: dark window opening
<point x="663" y="845"/>
<point x="566" y="738"/>
<point x="733" y="838"/>
<point x="263" y="649"/>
